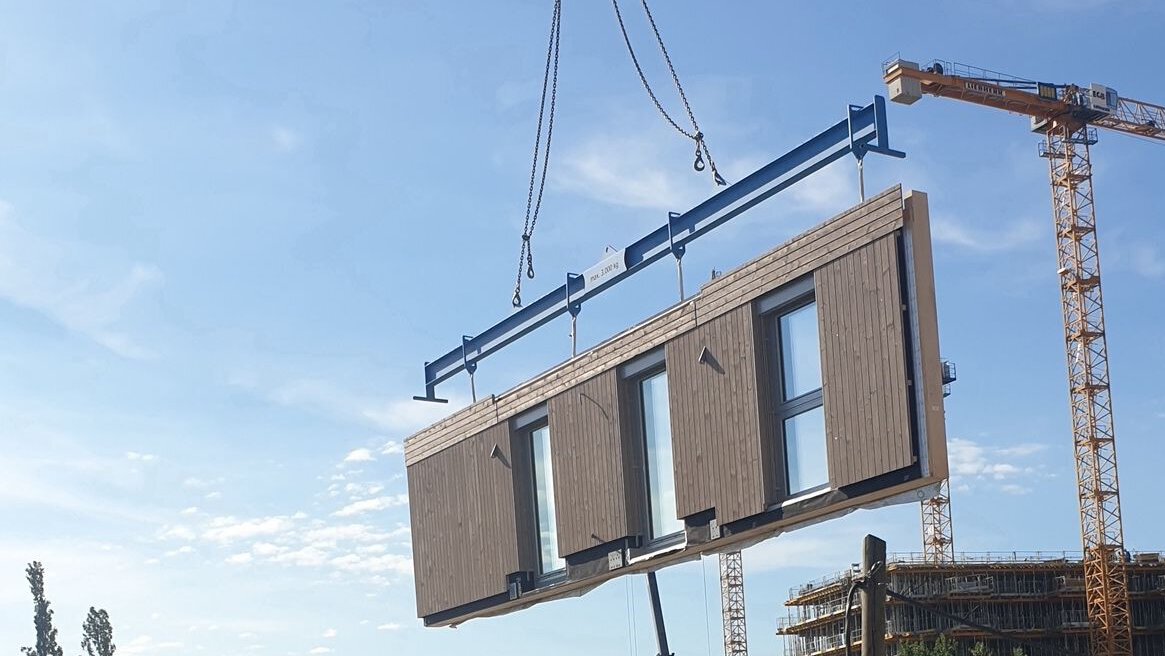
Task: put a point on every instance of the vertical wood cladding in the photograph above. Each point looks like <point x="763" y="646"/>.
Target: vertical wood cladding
<point x="465" y="539"/>
<point x="589" y="464"/>
<point x="715" y="413"/>
<point x="867" y="418"/>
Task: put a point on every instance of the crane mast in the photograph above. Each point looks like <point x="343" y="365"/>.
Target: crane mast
<point x="1066" y="116"/>
<point x="732" y="604"/>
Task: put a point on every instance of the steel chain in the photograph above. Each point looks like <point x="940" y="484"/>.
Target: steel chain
<point x="696" y="135"/>
<point x="534" y="204"/>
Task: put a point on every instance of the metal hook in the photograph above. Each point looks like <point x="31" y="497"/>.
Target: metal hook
<point x="517" y="300"/>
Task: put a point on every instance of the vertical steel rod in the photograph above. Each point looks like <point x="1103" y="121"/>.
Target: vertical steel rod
<point x="680" y="273"/>
<point x="573" y="335"/>
<point x="861" y="182"/>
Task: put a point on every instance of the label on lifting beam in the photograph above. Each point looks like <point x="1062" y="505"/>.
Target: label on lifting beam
<point x="611" y="265"/>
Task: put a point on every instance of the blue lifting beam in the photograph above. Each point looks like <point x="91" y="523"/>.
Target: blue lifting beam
<point x="863" y="131"/>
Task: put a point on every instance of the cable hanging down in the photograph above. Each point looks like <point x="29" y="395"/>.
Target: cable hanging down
<point x="541" y="157"/>
<point x="695" y="134"/>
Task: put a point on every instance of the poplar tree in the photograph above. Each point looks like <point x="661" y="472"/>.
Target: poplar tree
<point x="98" y="633"/>
<point x="46" y="634"/>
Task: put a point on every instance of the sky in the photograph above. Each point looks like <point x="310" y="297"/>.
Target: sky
<point x="232" y="232"/>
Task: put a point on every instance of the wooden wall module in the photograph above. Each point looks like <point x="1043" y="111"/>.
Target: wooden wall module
<point x="869" y="272"/>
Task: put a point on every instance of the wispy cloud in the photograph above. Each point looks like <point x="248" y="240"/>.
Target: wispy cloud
<point x="391" y="415"/>
<point x="1146" y="259"/>
<point x="67" y="284"/>
<point x="226" y="530"/>
<point x="285" y="139"/>
<point x="359" y="455"/>
<point x="1006" y="469"/>
<point x="953" y="232"/>
<point x="390" y="626"/>
<point x="144" y="644"/>
<point x="372" y="505"/>
<point x="629" y="171"/>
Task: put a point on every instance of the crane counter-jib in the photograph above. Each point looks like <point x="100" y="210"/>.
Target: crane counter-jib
<point x="1074" y="105"/>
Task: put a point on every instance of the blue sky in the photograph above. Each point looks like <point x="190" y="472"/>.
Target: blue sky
<point x="230" y="233"/>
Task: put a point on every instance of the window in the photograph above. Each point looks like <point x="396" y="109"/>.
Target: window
<point x="661" y="484"/>
<point x="549" y="558"/>
<point x="800" y="415"/>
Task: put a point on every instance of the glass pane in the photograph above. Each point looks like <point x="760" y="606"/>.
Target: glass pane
<point x="544" y="493"/>
<point x="661" y="483"/>
<point x="805" y="450"/>
<point x="800" y="351"/>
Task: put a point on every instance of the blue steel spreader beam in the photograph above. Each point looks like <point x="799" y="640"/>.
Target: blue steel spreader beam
<point x="862" y="131"/>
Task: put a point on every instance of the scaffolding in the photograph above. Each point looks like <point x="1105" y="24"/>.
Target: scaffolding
<point x="1036" y="598"/>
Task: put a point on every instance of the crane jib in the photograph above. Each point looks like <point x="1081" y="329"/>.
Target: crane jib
<point x="863" y="130"/>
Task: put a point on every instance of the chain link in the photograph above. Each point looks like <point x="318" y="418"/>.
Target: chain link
<point x="696" y="135"/>
<point x="534" y="203"/>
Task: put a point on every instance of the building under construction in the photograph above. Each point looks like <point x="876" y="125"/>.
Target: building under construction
<point x="1036" y="599"/>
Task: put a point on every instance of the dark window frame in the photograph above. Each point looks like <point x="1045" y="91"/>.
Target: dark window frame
<point x="790" y="298"/>
<point x="632" y="375"/>
<point x="525" y="427"/>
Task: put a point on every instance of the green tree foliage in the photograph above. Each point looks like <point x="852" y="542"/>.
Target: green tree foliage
<point x="46" y="635"/>
<point x="944" y="646"/>
<point x="98" y="634"/>
<point x="981" y="649"/>
<point x="913" y="649"/>
<point x="1018" y="651"/>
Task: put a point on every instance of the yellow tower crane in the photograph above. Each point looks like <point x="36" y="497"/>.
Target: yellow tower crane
<point x="1068" y="115"/>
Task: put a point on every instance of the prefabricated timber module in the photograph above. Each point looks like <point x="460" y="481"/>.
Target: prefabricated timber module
<point x="801" y="386"/>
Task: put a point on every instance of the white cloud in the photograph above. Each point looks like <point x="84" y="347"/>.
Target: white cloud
<point x="210" y="496"/>
<point x="225" y="530"/>
<point x="400" y="416"/>
<point x="330" y="633"/>
<point x="951" y="232"/>
<point x="372" y="505"/>
<point x="239" y="558"/>
<point x="360" y="455"/>
<point x="1013" y="488"/>
<point x="392" y="447"/>
<point x="184" y="549"/>
<point x="972" y="462"/>
<point x="285" y="139"/>
<point x="310" y="556"/>
<point x="630" y="171"/>
<point x="177" y="532"/>
<point x="374" y="564"/>
<point x="195" y="483"/>
<point x="320" y="650"/>
<point x="67" y="283"/>
<point x="360" y="490"/>
<point x="144" y="457"/>
<point x="267" y="549"/>
<point x="1146" y="260"/>
<point x="144" y="644"/>
<point x="390" y="626"/>
<point x="192" y="510"/>
<point x="828" y="191"/>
